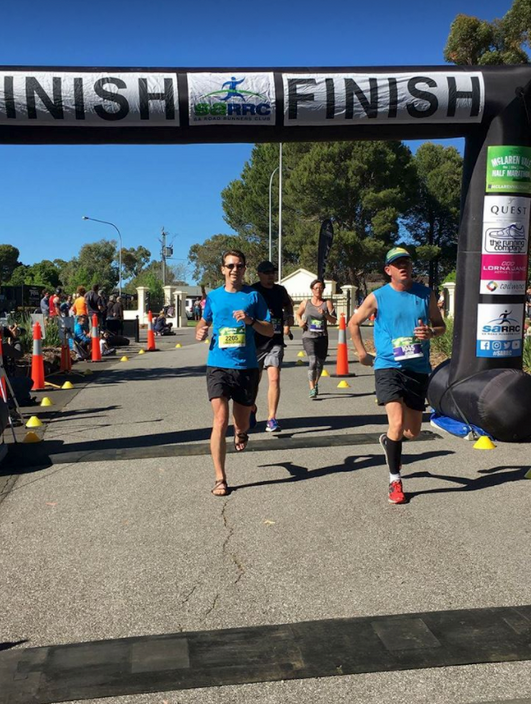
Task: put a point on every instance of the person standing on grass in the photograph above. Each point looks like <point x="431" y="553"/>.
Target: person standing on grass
<point x="270" y="350"/>
<point x="235" y="311"/>
<point x="313" y="315"/>
<point x="407" y="318"/>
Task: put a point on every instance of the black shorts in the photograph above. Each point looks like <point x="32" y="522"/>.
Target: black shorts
<point x="241" y="385"/>
<point x="401" y="385"/>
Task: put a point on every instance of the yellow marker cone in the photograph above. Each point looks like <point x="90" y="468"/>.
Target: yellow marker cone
<point x="178" y="345"/>
<point x="141" y="351"/>
<point x="528" y="475"/>
<point x="325" y="373"/>
<point x="87" y="372"/>
<point x="484" y="443"/>
<point x="343" y="385"/>
<point x="67" y="385"/>
<point x="301" y="354"/>
<point x="124" y="359"/>
<point x="33" y="422"/>
<point x="207" y="341"/>
<point x="46" y="401"/>
<point x="31" y="437"/>
<point x="299" y="362"/>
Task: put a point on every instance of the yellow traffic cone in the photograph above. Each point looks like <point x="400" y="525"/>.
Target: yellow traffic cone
<point x="141" y="351"/>
<point x="178" y="345"/>
<point x="67" y="385"/>
<point x="343" y="385"/>
<point x="46" y="401"/>
<point x="484" y="443"/>
<point x="301" y="354"/>
<point x="324" y="373"/>
<point x="33" y="422"/>
<point x="31" y="437"/>
<point x="124" y="359"/>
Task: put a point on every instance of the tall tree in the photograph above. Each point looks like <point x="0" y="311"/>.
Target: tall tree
<point x="95" y="264"/>
<point x="134" y="260"/>
<point x="433" y="219"/>
<point x="206" y="257"/>
<point x="8" y="261"/>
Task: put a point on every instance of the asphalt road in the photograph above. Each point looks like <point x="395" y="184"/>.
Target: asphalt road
<point x="102" y="550"/>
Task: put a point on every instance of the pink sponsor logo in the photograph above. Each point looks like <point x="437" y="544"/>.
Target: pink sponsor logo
<point x="504" y="267"/>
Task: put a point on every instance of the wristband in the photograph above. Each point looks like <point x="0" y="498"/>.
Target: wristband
<point x="254" y="321"/>
<point x="433" y="333"/>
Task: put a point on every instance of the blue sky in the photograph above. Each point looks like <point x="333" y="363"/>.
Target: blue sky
<point x="45" y="190"/>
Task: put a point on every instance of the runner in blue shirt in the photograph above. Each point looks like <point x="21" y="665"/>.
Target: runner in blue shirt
<point x="235" y="311"/>
<point x="407" y="318"/>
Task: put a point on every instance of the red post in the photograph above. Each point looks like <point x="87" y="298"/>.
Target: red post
<point x="342" y="349"/>
<point x="37" y="361"/>
<point x="151" y="334"/>
<point x="95" y="334"/>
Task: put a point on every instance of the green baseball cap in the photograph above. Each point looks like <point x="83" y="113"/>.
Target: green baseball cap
<point x="396" y="253"/>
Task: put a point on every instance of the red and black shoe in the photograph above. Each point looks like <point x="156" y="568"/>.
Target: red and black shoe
<point x="396" y="493"/>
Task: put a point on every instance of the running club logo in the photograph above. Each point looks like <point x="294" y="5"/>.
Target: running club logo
<point x="503" y="324"/>
<point x="234" y="98"/>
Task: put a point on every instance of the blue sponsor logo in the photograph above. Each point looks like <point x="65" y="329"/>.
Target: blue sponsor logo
<point x="503" y="324"/>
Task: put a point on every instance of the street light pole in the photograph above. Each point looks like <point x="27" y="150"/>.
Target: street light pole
<point x="270" y="238"/>
<point x="105" y="222"/>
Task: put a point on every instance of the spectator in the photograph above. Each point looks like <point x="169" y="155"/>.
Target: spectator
<point x="161" y="327"/>
<point x="115" y="315"/>
<point x="79" y="305"/>
<point x="45" y="304"/>
<point x="94" y="302"/>
<point x="105" y="348"/>
<point x="66" y="307"/>
<point x="81" y="336"/>
<point x="12" y="348"/>
<point x="55" y="303"/>
<point x="198" y="311"/>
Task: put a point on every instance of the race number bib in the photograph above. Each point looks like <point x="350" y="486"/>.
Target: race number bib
<point x="277" y="325"/>
<point x="231" y="337"/>
<point x="316" y="325"/>
<point x="407" y="348"/>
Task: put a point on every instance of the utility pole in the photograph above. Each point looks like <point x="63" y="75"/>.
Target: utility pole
<point x="164" y="253"/>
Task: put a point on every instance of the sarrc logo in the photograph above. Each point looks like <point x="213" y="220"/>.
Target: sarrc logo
<point x="503" y="324"/>
<point x="233" y="101"/>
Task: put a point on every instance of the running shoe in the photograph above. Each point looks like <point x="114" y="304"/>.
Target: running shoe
<point x="317" y="389"/>
<point x="252" y="418"/>
<point x="396" y="494"/>
<point x="312" y="394"/>
<point x="272" y="426"/>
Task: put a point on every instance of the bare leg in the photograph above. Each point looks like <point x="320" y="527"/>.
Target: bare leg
<point x="273" y="392"/>
<point x="218" y="442"/>
<point x="412" y="423"/>
<point x="395" y="415"/>
<point x="240" y="415"/>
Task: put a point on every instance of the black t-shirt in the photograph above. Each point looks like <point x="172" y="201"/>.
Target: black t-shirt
<point x="277" y="298"/>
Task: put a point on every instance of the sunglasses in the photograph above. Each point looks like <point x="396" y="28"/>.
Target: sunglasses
<point x="230" y="267"/>
<point x="269" y="271"/>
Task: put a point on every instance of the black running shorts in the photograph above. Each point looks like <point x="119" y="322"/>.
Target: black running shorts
<point x="241" y="385"/>
<point x="401" y="385"/>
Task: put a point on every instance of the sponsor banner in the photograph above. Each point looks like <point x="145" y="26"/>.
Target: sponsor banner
<point x="231" y="98"/>
<point x="505" y="224"/>
<point x="499" y="330"/>
<point x="504" y="267"/>
<point x="353" y="98"/>
<point x="509" y="169"/>
<point x="77" y="98"/>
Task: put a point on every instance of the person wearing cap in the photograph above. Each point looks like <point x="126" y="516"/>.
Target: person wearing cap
<point x="406" y="319"/>
<point x="270" y="350"/>
<point x="235" y="311"/>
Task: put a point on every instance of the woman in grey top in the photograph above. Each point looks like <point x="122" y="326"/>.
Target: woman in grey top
<point x="313" y="315"/>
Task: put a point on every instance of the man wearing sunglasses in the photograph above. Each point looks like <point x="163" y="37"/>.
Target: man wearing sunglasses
<point x="235" y="311"/>
<point x="271" y="349"/>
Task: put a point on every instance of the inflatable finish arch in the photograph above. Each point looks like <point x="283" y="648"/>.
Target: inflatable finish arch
<point x="489" y="106"/>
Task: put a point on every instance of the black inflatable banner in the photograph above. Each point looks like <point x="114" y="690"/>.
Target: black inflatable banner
<point x="489" y="106"/>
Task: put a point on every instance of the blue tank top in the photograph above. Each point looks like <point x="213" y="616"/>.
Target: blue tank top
<point x="397" y="316"/>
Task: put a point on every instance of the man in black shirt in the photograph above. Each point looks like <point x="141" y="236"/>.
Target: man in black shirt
<point x="270" y="350"/>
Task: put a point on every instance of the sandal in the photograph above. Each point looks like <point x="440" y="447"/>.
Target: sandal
<point x="221" y="486"/>
<point x="240" y="439"/>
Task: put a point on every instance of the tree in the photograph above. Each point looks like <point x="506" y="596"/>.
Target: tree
<point x="477" y="42"/>
<point x="433" y="220"/>
<point x="95" y="264"/>
<point x="8" y="261"/>
<point x="134" y="260"/>
<point x="206" y="257"/>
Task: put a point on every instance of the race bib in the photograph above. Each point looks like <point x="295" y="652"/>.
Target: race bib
<point x="407" y="348"/>
<point x="316" y="325"/>
<point x="231" y="337"/>
<point x="277" y="325"/>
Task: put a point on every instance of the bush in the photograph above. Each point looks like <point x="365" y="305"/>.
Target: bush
<point x="443" y="343"/>
<point x="526" y="361"/>
<point x="23" y="320"/>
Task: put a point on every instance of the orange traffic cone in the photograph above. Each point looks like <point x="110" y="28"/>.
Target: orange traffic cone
<point x="37" y="361"/>
<point x="95" y="334"/>
<point x="151" y="334"/>
<point x="342" y="349"/>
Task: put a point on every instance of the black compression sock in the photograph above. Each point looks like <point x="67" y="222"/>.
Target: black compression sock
<point x="393" y="450"/>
